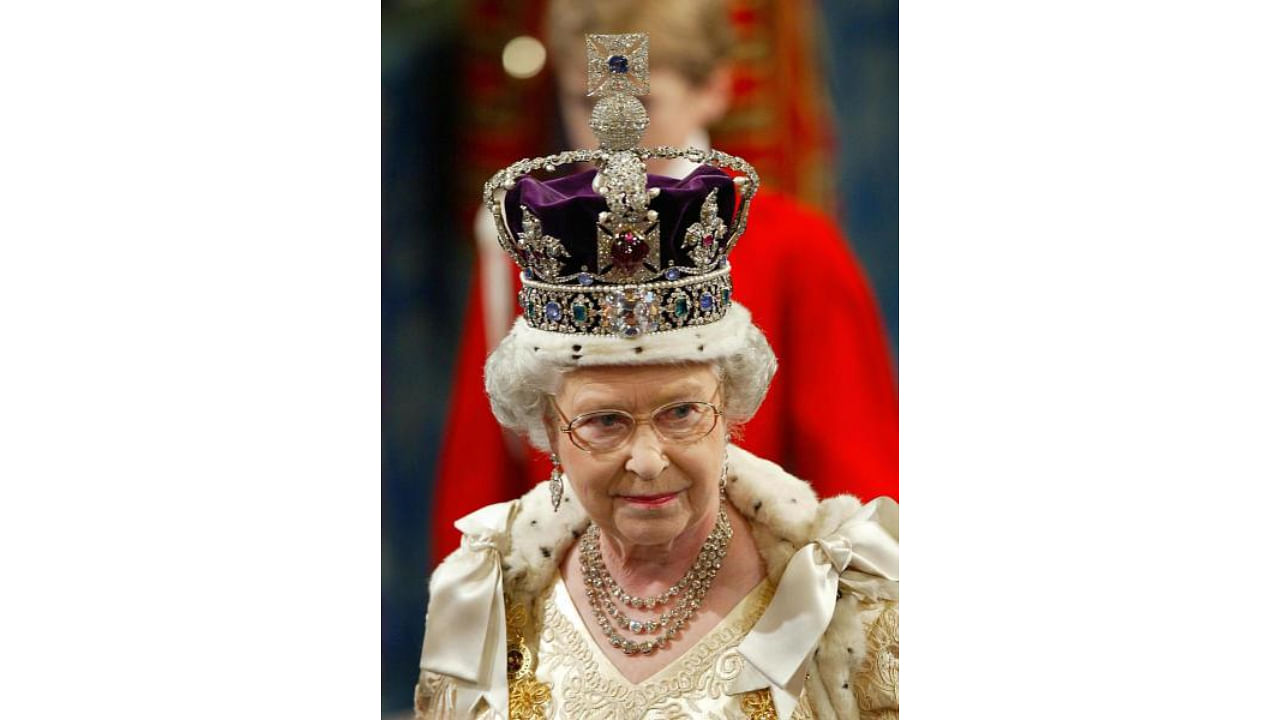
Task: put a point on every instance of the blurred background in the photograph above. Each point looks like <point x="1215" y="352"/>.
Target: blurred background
<point x="467" y="89"/>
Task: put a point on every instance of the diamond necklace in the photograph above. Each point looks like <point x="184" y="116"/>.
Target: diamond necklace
<point x="602" y="589"/>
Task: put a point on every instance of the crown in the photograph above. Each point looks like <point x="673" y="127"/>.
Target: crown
<point x="614" y="250"/>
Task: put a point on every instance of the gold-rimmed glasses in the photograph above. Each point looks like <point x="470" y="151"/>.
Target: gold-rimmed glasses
<point x="602" y="431"/>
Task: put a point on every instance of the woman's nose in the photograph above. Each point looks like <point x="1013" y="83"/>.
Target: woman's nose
<point x="647" y="459"/>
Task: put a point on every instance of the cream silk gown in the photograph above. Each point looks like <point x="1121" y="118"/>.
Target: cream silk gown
<point x="583" y="682"/>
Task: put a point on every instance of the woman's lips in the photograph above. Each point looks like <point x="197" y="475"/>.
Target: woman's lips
<point x="650" y="500"/>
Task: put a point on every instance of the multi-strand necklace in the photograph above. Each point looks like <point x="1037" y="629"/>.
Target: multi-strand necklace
<point x="604" y="594"/>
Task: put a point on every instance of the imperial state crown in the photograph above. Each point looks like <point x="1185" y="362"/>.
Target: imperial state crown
<point x="615" y="250"/>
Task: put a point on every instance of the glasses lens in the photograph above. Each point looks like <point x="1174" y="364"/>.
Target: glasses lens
<point x="602" y="430"/>
<point x="685" y="421"/>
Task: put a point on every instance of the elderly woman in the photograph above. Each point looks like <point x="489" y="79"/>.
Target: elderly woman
<point x="660" y="571"/>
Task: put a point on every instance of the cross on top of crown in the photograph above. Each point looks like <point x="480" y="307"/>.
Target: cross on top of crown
<point x="618" y="64"/>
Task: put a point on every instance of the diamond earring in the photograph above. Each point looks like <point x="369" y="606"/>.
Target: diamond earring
<point x="724" y="477"/>
<point x="556" y="483"/>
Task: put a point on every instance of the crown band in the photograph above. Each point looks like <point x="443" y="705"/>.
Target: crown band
<point x="627" y="311"/>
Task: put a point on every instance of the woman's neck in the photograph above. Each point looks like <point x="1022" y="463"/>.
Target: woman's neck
<point x="636" y="567"/>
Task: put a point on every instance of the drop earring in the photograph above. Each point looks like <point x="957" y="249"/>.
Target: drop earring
<point x="724" y="477"/>
<point x="556" y="483"/>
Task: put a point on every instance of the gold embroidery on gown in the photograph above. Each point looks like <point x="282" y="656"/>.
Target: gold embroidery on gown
<point x="527" y="698"/>
<point x="585" y="684"/>
<point x="758" y="705"/>
<point x="877" y="680"/>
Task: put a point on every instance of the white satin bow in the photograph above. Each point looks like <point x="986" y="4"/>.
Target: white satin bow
<point x="861" y="556"/>
<point x="466" y="635"/>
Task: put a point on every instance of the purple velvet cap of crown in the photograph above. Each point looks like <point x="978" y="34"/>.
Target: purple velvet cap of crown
<point x="568" y="209"/>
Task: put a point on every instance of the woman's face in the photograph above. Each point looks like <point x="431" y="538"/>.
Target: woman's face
<point x="648" y="491"/>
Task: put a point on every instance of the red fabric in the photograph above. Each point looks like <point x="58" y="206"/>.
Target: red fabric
<point x="475" y="468"/>
<point x="831" y="415"/>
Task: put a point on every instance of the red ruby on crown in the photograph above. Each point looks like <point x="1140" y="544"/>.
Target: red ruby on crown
<point x="628" y="251"/>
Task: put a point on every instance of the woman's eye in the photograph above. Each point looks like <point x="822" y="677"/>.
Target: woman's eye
<point x="603" y="421"/>
<point x="678" y="414"/>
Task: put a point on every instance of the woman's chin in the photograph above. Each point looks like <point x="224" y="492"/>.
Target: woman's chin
<point x="651" y="526"/>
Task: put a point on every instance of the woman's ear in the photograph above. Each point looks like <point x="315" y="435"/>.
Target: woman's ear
<point x="732" y="432"/>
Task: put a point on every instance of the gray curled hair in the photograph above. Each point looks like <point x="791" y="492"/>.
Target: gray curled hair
<point x="518" y="381"/>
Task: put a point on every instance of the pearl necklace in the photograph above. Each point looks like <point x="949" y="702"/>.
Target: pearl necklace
<point x="602" y="590"/>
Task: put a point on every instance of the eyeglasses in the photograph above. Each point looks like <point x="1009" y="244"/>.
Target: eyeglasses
<point x="602" y="431"/>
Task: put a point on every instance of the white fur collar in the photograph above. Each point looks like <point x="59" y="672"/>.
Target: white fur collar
<point x="783" y="511"/>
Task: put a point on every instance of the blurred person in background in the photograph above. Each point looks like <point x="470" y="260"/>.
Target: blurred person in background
<point x="831" y="417"/>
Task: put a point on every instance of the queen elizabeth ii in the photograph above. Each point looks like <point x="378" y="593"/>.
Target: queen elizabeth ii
<point x="660" y="571"/>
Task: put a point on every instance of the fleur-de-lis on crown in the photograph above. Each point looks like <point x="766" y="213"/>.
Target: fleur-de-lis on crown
<point x="538" y="250"/>
<point x="702" y="239"/>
